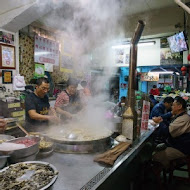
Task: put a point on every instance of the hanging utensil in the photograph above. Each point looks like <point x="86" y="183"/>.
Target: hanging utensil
<point x="22" y="128"/>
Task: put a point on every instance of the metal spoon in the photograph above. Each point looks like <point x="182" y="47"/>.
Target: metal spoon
<point x="22" y="128"/>
<point x="72" y="136"/>
<point x="28" y="174"/>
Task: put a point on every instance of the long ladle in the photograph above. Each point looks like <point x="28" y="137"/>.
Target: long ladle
<point x="22" y="128"/>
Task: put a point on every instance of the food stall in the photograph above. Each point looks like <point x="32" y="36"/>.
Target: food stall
<point x="79" y="171"/>
<point x="71" y="157"/>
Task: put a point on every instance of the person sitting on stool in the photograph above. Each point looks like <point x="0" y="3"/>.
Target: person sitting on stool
<point x="178" y="141"/>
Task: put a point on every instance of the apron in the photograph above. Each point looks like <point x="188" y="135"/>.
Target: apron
<point x="74" y="105"/>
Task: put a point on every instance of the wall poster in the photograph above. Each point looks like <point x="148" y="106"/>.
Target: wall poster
<point x="145" y="115"/>
<point x="46" y="51"/>
<point x="7" y="77"/>
<point x="7" y="57"/>
<point x="166" y="56"/>
<point x="6" y="37"/>
<point x="122" y="57"/>
<point x="39" y="71"/>
<point x="150" y="76"/>
<point x="48" y="67"/>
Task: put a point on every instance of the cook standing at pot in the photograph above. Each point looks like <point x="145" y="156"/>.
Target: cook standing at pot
<point x="37" y="106"/>
<point x="68" y="102"/>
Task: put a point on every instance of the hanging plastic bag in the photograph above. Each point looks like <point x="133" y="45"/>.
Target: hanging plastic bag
<point x="19" y="83"/>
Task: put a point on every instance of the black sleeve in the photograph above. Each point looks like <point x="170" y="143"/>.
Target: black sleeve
<point x="164" y="129"/>
<point x="30" y="103"/>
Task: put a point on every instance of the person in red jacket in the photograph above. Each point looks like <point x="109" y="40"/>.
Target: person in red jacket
<point x="155" y="91"/>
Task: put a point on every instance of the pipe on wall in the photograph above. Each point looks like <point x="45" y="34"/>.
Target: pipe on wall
<point x="133" y="63"/>
<point x="182" y="5"/>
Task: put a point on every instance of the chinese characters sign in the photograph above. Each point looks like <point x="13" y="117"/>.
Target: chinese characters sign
<point x="150" y="76"/>
<point x="46" y="51"/>
<point x="145" y="115"/>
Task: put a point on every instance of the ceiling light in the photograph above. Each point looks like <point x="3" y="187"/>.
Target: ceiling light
<point x="146" y="44"/>
<point x="140" y="44"/>
<point x="162" y="72"/>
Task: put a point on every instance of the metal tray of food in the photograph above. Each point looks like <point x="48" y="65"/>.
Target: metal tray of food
<point x="4" y="138"/>
<point x="28" y="175"/>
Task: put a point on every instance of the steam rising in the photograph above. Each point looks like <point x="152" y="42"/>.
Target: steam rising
<point x="91" y="25"/>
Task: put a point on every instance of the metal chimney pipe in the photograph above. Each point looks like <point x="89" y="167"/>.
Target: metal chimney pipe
<point x="130" y="115"/>
<point x="183" y="5"/>
<point x="133" y="62"/>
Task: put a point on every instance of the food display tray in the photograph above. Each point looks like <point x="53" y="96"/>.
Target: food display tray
<point x="43" y="163"/>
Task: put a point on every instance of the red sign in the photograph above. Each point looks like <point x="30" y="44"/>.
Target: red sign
<point x="145" y="115"/>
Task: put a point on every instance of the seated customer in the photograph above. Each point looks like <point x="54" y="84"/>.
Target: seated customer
<point x="162" y="109"/>
<point x="153" y="100"/>
<point x="178" y="141"/>
<point x="120" y="105"/>
<point x="154" y="91"/>
<point x="37" y="105"/>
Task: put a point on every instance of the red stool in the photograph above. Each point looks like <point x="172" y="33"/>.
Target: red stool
<point x="178" y="165"/>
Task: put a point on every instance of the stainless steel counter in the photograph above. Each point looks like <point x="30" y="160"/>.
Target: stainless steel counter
<point x="79" y="171"/>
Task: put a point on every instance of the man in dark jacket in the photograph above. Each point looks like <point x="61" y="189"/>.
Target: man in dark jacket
<point x="37" y="106"/>
<point x="162" y="109"/>
<point x="178" y="141"/>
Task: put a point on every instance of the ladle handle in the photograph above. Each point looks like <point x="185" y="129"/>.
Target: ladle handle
<point x="22" y="129"/>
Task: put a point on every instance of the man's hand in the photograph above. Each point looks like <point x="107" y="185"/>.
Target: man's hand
<point x="157" y="119"/>
<point x="53" y="119"/>
<point x="2" y="125"/>
<point x="68" y="115"/>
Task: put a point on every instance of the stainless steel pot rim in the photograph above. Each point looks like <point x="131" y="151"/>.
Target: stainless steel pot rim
<point x="39" y="162"/>
<point x="73" y="142"/>
<point x="6" y="137"/>
<point x="16" y="157"/>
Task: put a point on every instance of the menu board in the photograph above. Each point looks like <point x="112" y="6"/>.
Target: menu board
<point x="145" y="115"/>
<point x="46" y="51"/>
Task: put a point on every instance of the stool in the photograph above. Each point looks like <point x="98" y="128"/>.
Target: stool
<point x="176" y="165"/>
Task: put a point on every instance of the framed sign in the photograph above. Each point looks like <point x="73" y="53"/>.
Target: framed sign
<point x="7" y="77"/>
<point x="39" y="71"/>
<point x="7" y="57"/>
<point x="145" y="115"/>
<point x="150" y="76"/>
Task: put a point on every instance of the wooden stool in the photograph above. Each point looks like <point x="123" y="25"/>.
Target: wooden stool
<point x="177" y="165"/>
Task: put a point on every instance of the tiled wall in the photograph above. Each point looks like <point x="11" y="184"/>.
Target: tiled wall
<point x="26" y="57"/>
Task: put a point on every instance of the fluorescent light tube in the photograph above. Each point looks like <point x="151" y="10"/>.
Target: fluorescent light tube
<point x="140" y="44"/>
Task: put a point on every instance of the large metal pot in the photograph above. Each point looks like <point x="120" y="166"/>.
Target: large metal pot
<point x="82" y="146"/>
<point x="3" y="161"/>
<point x="22" y="154"/>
